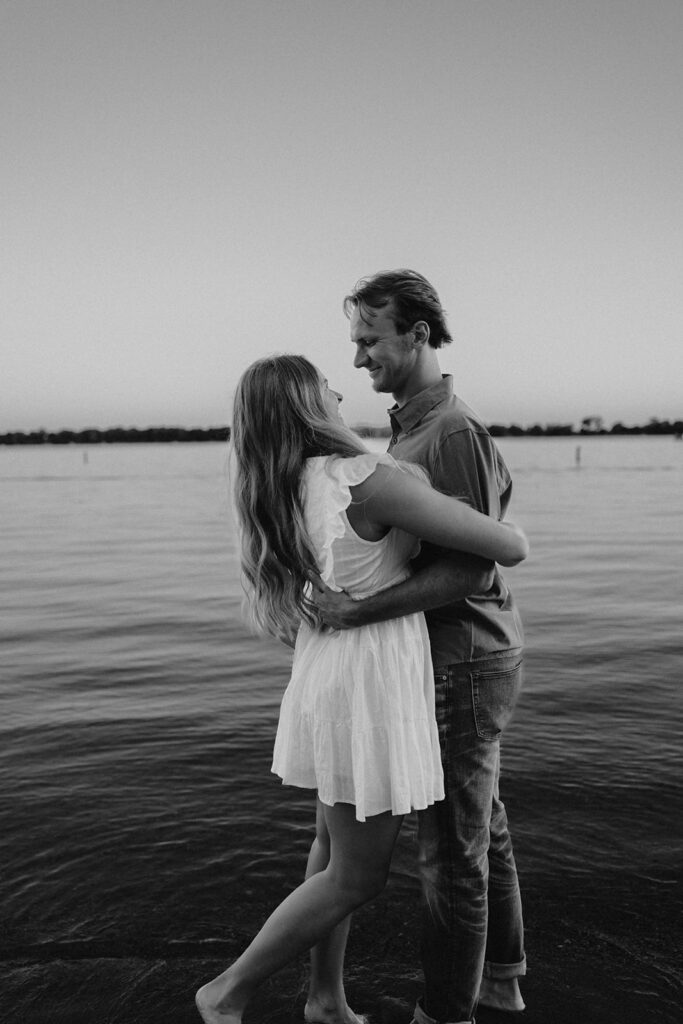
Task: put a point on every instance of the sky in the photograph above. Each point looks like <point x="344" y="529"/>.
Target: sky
<point x="190" y="184"/>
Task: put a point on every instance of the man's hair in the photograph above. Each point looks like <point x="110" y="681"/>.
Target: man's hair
<point x="414" y="298"/>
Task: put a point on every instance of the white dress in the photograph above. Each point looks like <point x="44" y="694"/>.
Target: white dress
<point x="357" y="720"/>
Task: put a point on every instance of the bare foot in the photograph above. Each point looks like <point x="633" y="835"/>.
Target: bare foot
<point x="207" y="999"/>
<point x="501" y="994"/>
<point x="317" y="1011"/>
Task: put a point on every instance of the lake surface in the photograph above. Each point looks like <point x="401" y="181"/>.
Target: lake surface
<point x="142" y="837"/>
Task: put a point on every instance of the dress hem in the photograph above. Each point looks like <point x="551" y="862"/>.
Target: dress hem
<point x="363" y="816"/>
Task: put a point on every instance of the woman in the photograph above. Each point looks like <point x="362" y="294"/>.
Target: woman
<point x="357" y="719"/>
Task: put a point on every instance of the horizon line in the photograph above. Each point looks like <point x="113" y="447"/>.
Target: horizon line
<point x="593" y="424"/>
<point x="590" y="426"/>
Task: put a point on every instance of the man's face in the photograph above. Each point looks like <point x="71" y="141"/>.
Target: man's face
<point x="388" y="357"/>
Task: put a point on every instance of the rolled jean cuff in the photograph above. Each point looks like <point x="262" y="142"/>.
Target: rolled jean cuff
<point x="420" y="1017"/>
<point x="501" y="971"/>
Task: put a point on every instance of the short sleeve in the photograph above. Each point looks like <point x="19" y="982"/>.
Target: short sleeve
<point x="326" y="494"/>
<point x="469" y="467"/>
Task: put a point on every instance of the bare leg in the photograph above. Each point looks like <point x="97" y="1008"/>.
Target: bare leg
<point x="326" y="1003"/>
<point x="360" y="855"/>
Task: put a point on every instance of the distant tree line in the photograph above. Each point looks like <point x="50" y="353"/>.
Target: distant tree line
<point x="117" y="435"/>
<point x="592" y="426"/>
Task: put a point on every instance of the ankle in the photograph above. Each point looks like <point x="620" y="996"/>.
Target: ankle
<point x="330" y="1008"/>
<point x="324" y="999"/>
<point x="226" y="995"/>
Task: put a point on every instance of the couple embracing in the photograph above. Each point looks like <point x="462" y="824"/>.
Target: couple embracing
<point x="407" y="656"/>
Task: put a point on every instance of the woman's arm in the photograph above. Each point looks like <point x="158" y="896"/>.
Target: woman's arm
<point x="392" y="498"/>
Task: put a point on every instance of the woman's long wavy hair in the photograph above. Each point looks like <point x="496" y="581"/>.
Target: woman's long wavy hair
<point x="279" y="421"/>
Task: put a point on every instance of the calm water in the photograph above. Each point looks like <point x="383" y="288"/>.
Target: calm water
<point x="143" y="839"/>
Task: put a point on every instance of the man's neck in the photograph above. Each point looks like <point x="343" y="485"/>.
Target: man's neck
<point x="419" y="380"/>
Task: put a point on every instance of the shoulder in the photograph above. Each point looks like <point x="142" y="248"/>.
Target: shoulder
<point x="390" y="480"/>
<point x="466" y="458"/>
<point x="339" y="471"/>
<point x="453" y="416"/>
<point x="459" y="435"/>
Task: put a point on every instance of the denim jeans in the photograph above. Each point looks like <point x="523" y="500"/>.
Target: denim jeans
<point x="472" y="909"/>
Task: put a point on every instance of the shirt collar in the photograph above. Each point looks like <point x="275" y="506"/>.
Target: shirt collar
<point x="410" y="414"/>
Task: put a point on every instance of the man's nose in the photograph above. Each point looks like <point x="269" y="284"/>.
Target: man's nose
<point x="361" y="357"/>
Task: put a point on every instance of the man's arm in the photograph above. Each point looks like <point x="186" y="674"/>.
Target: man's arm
<point x="452" y="577"/>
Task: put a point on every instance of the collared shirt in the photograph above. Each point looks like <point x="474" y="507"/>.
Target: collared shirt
<point x="437" y="430"/>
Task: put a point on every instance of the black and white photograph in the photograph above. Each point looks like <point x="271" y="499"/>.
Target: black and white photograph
<point x="341" y="505"/>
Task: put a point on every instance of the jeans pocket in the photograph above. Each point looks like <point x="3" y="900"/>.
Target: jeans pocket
<point x="494" y="695"/>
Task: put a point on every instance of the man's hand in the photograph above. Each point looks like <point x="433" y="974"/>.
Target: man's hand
<point x="335" y="606"/>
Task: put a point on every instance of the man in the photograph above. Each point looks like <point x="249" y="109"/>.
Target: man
<point x="472" y="933"/>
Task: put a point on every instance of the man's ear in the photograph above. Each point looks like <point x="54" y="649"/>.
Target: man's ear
<point x="421" y="331"/>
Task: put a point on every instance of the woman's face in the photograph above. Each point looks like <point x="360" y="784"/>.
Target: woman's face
<point x="332" y="400"/>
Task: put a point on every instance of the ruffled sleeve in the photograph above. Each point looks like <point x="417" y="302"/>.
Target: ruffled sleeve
<point x="326" y="495"/>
